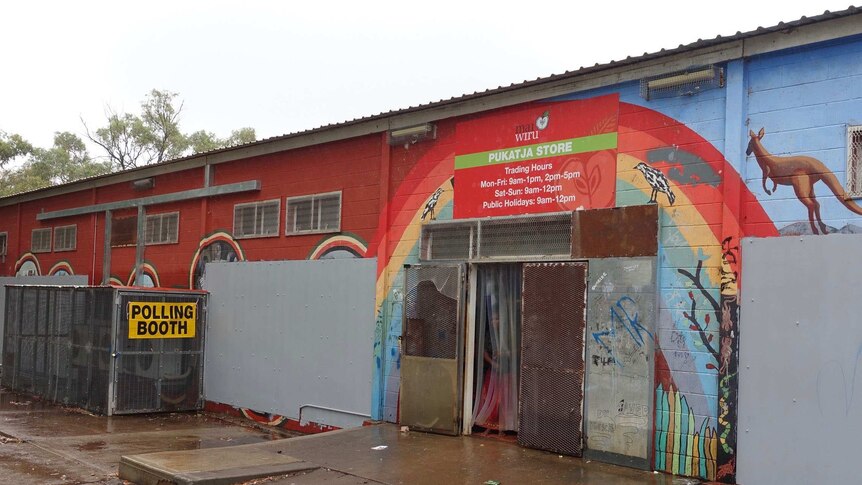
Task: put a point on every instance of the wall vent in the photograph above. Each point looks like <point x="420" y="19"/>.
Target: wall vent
<point x="682" y="83"/>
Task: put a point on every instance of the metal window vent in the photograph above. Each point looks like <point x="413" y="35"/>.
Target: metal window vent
<point x="545" y="236"/>
<point x="682" y="83"/>
<point x="854" y="161"/>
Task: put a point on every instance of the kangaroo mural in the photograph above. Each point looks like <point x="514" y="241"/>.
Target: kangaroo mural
<point x="802" y="173"/>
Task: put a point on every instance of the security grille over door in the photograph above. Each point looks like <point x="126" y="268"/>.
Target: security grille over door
<point x="432" y="348"/>
<point x="552" y="361"/>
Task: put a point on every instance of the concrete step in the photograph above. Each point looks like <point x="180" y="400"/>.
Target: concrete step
<point x="216" y="466"/>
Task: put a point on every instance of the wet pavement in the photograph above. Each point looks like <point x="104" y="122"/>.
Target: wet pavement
<point x="421" y="458"/>
<point x="44" y="443"/>
<point x="382" y="454"/>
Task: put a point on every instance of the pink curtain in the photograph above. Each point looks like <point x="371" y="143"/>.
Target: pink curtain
<point x="495" y="402"/>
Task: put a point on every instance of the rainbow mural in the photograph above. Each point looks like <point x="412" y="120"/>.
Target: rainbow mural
<point x="694" y="233"/>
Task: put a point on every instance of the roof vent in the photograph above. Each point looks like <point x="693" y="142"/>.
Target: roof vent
<point x="682" y="83"/>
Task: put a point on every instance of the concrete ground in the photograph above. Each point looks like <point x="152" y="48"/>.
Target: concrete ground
<point x="43" y="443"/>
<point x="348" y="457"/>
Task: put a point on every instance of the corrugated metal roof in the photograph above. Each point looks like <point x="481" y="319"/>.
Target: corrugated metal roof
<point x="682" y="48"/>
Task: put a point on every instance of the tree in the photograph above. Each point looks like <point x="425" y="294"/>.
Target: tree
<point x="204" y="141"/>
<point x="67" y="160"/>
<point x="130" y="140"/>
<point x="12" y="146"/>
<point x="155" y="136"/>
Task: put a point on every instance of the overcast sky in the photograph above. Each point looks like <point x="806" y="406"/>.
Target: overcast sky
<point x="282" y="67"/>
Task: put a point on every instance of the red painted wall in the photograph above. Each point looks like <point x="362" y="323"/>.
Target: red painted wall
<point x="352" y="166"/>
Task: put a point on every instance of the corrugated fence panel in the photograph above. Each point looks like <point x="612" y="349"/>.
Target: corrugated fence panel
<point x="293" y="338"/>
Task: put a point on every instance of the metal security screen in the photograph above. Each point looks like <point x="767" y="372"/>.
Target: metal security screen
<point x="57" y="343"/>
<point x="552" y="361"/>
<point x="160" y="372"/>
<point x="542" y="236"/>
<point x="432" y="348"/>
<point x="72" y="345"/>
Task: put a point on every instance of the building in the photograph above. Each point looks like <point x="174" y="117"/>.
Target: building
<point x="613" y="198"/>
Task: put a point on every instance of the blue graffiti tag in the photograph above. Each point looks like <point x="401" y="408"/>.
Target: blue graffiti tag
<point x="630" y="323"/>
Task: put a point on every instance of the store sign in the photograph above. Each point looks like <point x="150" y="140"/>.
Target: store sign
<point x="161" y="320"/>
<point x="542" y="157"/>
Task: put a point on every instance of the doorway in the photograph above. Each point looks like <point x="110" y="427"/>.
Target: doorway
<point x="497" y="348"/>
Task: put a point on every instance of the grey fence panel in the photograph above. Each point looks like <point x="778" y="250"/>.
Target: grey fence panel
<point x="800" y="352"/>
<point x="65" y="280"/>
<point x="292" y="337"/>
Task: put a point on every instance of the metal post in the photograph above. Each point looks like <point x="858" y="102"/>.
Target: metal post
<point x="139" y="252"/>
<point x="106" y="256"/>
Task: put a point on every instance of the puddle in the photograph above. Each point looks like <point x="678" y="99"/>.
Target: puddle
<point x="92" y="446"/>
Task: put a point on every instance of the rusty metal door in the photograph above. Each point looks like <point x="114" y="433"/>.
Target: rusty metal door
<point x="552" y="360"/>
<point x="432" y="348"/>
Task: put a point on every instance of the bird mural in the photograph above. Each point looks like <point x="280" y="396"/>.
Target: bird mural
<point x="657" y="181"/>
<point x="432" y="202"/>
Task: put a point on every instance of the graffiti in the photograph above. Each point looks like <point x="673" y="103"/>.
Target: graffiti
<point x="599" y="360"/>
<point x="657" y="181"/>
<point x="627" y="420"/>
<point x="680" y="446"/>
<point x="691" y="315"/>
<point x="601" y="278"/>
<point x="619" y="315"/>
<point x="800" y="172"/>
<point x="848" y="397"/>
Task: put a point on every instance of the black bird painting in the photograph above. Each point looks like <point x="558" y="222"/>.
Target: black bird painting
<point x="432" y="202"/>
<point x="657" y="181"/>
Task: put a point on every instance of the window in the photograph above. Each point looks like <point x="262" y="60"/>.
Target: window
<point x="256" y="219"/>
<point x="314" y="213"/>
<point x="40" y="241"/>
<point x="3" y="239"/>
<point x="65" y="238"/>
<point x="162" y="228"/>
<point x="854" y="161"/>
<point x="124" y="231"/>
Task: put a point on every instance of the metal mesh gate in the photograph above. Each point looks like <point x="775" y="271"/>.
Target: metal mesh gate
<point x="59" y="343"/>
<point x="157" y="374"/>
<point x="552" y="361"/>
<point x="431" y="362"/>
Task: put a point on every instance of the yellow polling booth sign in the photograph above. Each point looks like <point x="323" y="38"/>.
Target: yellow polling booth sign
<point x="161" y="320"/>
